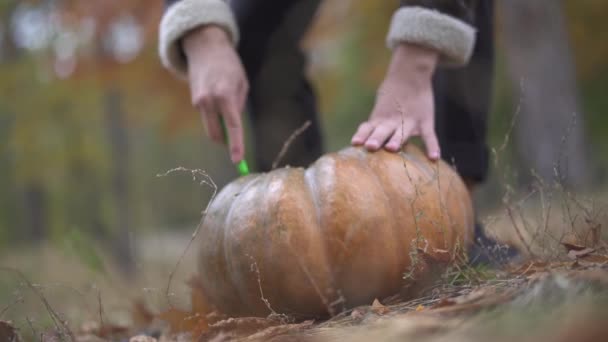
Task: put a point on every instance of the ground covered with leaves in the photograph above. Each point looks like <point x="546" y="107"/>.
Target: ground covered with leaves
<point x="564" y="300"/>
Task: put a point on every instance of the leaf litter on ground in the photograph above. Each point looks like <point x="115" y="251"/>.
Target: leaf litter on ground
<point x="535" y="300"/>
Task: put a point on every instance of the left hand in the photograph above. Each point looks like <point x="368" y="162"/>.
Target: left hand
<point x="404" y="104"/>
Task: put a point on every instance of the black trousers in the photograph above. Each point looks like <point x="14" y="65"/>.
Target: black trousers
<point x="282" y="99"/>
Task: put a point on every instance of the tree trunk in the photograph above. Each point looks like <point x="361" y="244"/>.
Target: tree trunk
<point x="550" y="130"/>
<point x="36" y="211"/>
<point x="119" y="145"/>
<point x="8" y="49"/>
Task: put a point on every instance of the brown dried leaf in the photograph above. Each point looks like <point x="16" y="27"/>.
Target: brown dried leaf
<point x="142" y="338"/>
<point x="576" y="254"/>
<point x="90" y="338"/>
<point x="598" y="259"/>
<point x="595" y="276"/>
<point x="106" y="331"/>
<point x="572" y="243"/>
<point x="378" y="308"/>
<point x="273" y="332"/>
<point x="243" y="326"/>
<point x="439" y="258"/>
<point x="183" y="321"/>
<point x="468" y="298"/>
<point x="249" y="328"/>
<point x="478" y="299"/>
<point x="51" y="335"/>
<point x="530" y="268"/>
<point x="443" y="302"/>
<point x="200" y="304"/>
<point x="194" y="321"/>
<point x="442" y="255"/>
<point x="357" y="314"/>
<point x="8" y="332"/>
<point x="141" y="315"/>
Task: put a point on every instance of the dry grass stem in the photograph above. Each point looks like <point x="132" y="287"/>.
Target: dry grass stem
<point x="60" y="324"/>
<point x="288" y="143"/>
<point x="19" y="300"/>
<point x="204" y="179"/>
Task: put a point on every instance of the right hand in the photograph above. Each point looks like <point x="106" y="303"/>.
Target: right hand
<point x="218" y="85"/>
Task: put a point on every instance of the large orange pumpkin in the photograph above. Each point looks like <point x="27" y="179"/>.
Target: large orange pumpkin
<point x="338" y="234"/>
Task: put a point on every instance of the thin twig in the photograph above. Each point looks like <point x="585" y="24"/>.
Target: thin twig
<point x="562" y="155"/>
<point x="10" y="305"/>
<point x="518" y="231"/>
<point x="205" y="180"/>
<point x="101" y="323"/>
<point x="60" y="323"/>
<point x="273" y="314"/>
<point x="31" y="325"/>
<point x="288" y="143"/>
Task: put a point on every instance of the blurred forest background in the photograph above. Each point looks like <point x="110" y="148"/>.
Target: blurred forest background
<point x="89" y="118"/>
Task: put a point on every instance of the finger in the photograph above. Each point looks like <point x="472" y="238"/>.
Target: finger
<point x="234" y="127"/>
<point x="430" y="141"/>
<point x="242" y="95"/>
<point x="211" y="120"/>
<point x="399" y="137"/>
<point x="379" y="136"/>
<point x="363" y="132"/>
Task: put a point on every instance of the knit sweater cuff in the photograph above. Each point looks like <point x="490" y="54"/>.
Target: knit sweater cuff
<point x="183" y="17"/>
<point x="452" y="38"/>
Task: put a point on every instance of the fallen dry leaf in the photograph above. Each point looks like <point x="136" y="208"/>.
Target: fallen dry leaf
<point x="272" y="332"/>
<point x="357" y="314"/>
<point x="8" y="333"/>
<point x="595" y="259"/>
<point x="593" y="276"/>
<point x="106" y="331"/>
<point x="468" y="298"/>
<point x="251" y="329"/>
<point x="183" y="321"/>
<point x="576" y="254"/>
<point x="199" y="301"/>
<point x="194" y="321"/>
<point x="142" y="338"/>
<point x="571" y="244"/>
<point x="90" y="338"/>
<point x="242" y="326"/>
<point x="141" y="315"/>
<point x="473" y="301"/>
<point x="378" y="308"/>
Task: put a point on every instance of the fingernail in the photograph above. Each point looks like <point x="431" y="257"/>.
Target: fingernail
<point x="372" y="144"/>
<point x="235" y="157"/>
<point x="434" y="155"/>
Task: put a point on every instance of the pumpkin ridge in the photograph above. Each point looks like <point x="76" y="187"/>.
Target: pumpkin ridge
<point x="311" y="185"/>
<point x="444" y="210"/>
<point x="315" y="277"/>
<point x="216" y="262"/>
<point x="416" y="160"/>
<point x="274" y="215"/>
<point x="239" y="284"/>
<point x="396" y="231"/>
<point x="356" y="255"/>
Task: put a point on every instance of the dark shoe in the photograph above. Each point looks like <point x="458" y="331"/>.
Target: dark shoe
<point x="486" y="251"/>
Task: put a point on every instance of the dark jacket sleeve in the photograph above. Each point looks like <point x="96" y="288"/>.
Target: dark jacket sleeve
<point x="170" y="2"/>
<point x="459" y="9"/>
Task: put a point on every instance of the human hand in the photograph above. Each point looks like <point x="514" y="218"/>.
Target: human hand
<point x="218" y="85"/>
<point x="404" y="104"/>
